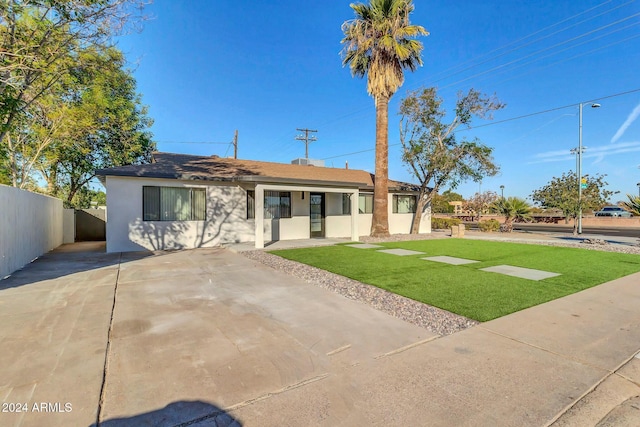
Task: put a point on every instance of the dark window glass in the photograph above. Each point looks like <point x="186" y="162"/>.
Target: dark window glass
<point x="365" y="203"/>
<point x="251" y="204"/>
<point x="404" y="203"/>
<point x="173" y="204"/>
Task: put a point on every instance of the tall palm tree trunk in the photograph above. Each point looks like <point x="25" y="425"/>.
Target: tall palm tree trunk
<point x="380" y="220"/>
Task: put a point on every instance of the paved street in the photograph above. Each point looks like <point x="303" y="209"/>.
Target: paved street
<point x="208" y="337"/>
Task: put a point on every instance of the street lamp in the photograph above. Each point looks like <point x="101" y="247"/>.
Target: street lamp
<point x="502" y="191"/>
<point x="580" y="168"/>
<point x="638" y="184"/>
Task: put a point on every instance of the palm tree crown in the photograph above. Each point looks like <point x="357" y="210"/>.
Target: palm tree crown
<point x="633" y="205"/>
<point x="380" y="43"/>
<point x="513" y="208"/>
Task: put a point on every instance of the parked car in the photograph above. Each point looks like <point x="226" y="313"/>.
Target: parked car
<point x="616" y="211"/>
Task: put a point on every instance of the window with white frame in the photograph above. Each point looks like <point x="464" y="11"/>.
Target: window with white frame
<point x="365" y="203"/>
<point x="403" y="203"/>
<point x="173" y="204"/>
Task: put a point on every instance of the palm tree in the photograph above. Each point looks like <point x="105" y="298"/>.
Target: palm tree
<point x="512" y="208"/>
<point x="633" y="205"/>
<point x="380" y="44"/>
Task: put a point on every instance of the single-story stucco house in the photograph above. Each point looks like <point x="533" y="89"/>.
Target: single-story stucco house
<point x="181" y="201"/>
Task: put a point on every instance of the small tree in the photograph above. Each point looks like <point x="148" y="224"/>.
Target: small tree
<point x="562" y="193"/>
<point x="434" y="152"/>
<point x="440" y="202"/>
<point x="512" y="208"/>
<point x="633" y="205"/>
<point x="480" y="203"/>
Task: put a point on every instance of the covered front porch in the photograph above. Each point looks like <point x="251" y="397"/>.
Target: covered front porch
<point x="313" y="211"/>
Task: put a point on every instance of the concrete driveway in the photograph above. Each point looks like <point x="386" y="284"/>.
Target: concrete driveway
<point x="190" y="332"/>
<point x="209" y="338"/>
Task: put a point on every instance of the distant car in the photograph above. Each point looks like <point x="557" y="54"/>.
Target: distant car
<point x="616" y="211"/>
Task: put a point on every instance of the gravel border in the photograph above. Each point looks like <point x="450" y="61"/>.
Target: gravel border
<point x="433" y="319"/>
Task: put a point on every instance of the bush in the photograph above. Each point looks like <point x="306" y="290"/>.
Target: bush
<point x="444" y="223"/>
<point x="489" y="225"/>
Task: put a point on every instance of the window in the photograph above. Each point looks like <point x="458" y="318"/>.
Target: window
<point x="365" y="203"/>
<point x="173" y="204"/>
<point x="277" y="204"/>
<point x="251" y="204"/>
<point x="404" y="203"/>
<point x="346" y="204"/>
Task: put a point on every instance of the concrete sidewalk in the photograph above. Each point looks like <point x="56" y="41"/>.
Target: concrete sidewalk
<point x="208" y="337"/>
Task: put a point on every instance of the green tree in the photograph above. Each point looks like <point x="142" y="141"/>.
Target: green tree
<point x="380" y="43"/>
<point x="562" y="193"/>
<point x="432" y="149"/>
<point x="440" y="202"/>
<point x="40" y="42"/>
<point x="106" y="125"/>
<point x="632" y="205"/>
<point x="512" y="208"/>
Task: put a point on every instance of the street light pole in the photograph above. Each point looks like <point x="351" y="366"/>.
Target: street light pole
<point x="580" y="168"/>
<point x="502" y="191"/>
<point x="638" y="184"/>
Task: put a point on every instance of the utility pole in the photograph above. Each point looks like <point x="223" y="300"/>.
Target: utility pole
<point x="235" y="145"/>
<point x="307" y="140"/>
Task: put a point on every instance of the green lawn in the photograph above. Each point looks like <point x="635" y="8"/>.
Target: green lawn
<point x="464" y="289"/>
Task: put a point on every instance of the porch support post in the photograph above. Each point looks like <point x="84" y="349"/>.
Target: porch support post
<point x="259" y="216"/>
<point x="355" y="236"/>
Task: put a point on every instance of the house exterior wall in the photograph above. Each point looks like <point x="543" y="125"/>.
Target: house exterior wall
<point x="226" y="218"/>
<point x="296" y="227"/>
<point x="339" y="225"/>
<point x="126" y="231"/>
<point x="30" y="224"/>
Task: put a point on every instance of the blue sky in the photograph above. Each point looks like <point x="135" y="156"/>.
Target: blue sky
<point x="206" y="68"/>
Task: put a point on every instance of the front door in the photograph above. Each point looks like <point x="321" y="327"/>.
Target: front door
<point x="316" y="201"/>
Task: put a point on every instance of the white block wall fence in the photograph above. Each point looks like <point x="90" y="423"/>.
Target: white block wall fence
<point x="30" y="225"/>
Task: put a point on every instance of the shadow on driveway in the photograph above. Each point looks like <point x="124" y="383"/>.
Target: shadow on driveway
<point x="66" y="260"/>
<point x="192" y="413"/>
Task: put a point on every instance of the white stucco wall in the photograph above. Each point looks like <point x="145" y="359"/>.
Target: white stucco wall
<point x="226" y="218"/>
<point x="30" y="225"/>
<point x="126" y="231"/>
<point x="69" y="226"/>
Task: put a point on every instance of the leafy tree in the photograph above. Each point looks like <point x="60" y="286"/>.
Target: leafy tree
<point x="480" y="203"/>
<point x="40" y="42"/>
<point x="380" y="43"/>
<point x="432" y="149"/>
<point x="512" y="208"/>
<point x="107" y="125"/>
<point x="632" y="205"/>
<point x="440" y="202"/>
<point x="562" y="193"/>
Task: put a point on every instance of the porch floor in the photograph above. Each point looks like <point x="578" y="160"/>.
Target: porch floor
<point x="286" y="244"/>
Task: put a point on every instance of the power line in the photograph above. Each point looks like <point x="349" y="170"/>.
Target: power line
<point x="192" y="142"/>
<point x="524" y="116"/>
<point x="512" y="50"/>
<point x="532" y="41"/>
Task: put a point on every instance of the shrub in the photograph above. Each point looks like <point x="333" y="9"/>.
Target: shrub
<point x="444" y="223"/>
<point x="489" y="225"/>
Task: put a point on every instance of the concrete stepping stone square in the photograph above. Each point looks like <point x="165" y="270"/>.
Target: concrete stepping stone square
<point x="364" y="246"/>
<point x="401" y="252"/>
<point x="450" y="260"/>
<point x="523" y="273"/>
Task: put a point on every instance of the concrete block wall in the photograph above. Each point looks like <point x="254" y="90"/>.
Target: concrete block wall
<point x="30" y="225"/>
